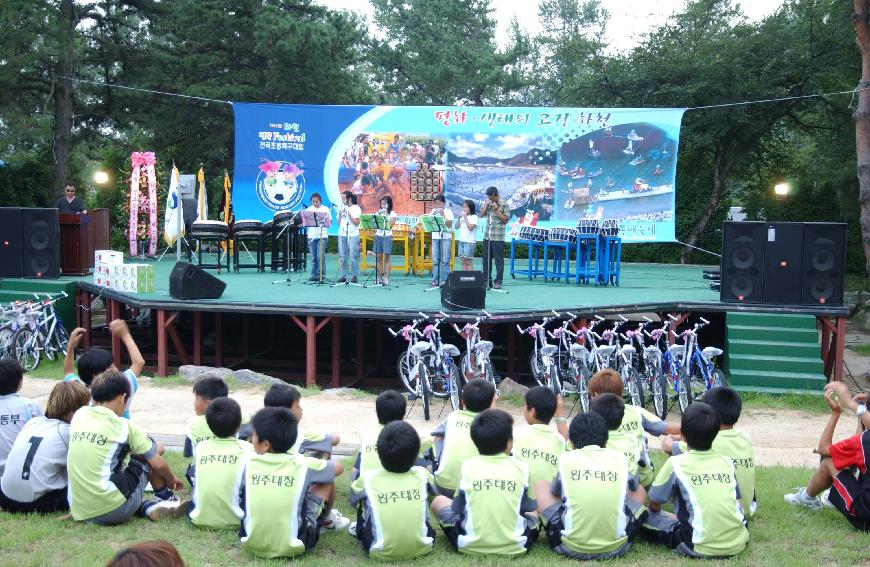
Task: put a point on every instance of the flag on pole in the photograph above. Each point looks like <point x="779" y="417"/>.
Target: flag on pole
<point x="226" y="206"/>
<point x="201" y="201"/>
<point x="172" y="225"/>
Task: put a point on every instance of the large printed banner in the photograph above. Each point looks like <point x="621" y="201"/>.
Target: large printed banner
<point x="553" y="166"/>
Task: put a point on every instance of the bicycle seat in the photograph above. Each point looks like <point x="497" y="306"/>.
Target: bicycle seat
<point x="711" y="352"/>
<point x="677" y="351"/>
<point x="549" y="350"/>
<point x="651" y="350"/>
<point x="606" y="351"/>
<point x="483" y="347"/>
<point x="627" y="350"/>
<point x="420" y="347"/>
<point x="450" y="350"/>
<point x="577" y="351"/>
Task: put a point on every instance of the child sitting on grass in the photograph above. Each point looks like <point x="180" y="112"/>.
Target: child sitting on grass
<point x="491" y="513"/>
<point x="708" y="520"/>
<point x="587" y="510"/>
<point x="320" y="444"/>
<point x="537" y="444"/>
<point x="284" y="492"/>
<point x="390" y="406"/>
<point x="612" y="409"/>
<point x="17" y="409"/>
<point x="34" y="479"/>
<point x="630" y="436"/>
<point x="95" y="361"/>
<point x="453" y="444"/>
<point x="392" y="505"/>
<point x="111" y="460"/>
<point x="219" y="464"/>
<point x="843" y="468"/>
<point x="730" y="442"/>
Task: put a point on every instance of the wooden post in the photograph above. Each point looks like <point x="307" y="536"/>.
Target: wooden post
<point x="197" y="338"/>
<point x="162" y="355"/>
<point x="336" y="349"/>
<point x="310" y="352"/>
<point x="839" y="346"/>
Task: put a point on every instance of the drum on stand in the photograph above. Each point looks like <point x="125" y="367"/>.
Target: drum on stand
<point x="534" y="233"/>
<point x="563" y="234"/>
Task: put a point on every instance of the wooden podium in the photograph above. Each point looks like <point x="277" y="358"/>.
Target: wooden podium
<point x="80" y="235"/>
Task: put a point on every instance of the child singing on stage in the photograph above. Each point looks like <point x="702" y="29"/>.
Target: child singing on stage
<point x="317" y="237"/>
<point x="348" y="239"/>
<point x="467" y="235"/>
<point x="384" y="240"/>
<point x="441" y="242"/>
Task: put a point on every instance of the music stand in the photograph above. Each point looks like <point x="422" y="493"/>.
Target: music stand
<point x="311" y="219"/>
<point x="376" y="223"/>
<point x="431" y="224"/>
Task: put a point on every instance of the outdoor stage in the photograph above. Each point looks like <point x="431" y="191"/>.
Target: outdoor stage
<point x="299" y="330"/>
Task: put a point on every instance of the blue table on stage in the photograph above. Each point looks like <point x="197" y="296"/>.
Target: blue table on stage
<point x="533" y="268"/>
<point x="587" y="249"/>
<point x="561" y="260"/>
<point x="609" y="260"/>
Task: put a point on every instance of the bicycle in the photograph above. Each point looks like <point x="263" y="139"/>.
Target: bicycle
<point x="536" y="357"/>
<point x="548" y="376"/>
<point x="43" y="333"/>
<point x="576" y="370"/>
<point x="598" y="357"/>
<point x="673" y="359"/>
<point x="653" y="364"/>
<point x="627" y="357"/>
<point x="405" y="360"/>
<point x="417" y="374"/>
<point x="699" y="372"/>
<point x="476" y="362"/>
<point x="445" y="381"/>
<point x="11" y="319"/>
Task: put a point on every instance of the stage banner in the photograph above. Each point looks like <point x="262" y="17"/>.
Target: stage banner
<point x="553" y="166"/>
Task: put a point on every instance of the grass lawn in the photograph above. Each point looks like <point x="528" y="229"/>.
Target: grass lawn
<point x="863" y="350"/>
<point x="780" y="535"/>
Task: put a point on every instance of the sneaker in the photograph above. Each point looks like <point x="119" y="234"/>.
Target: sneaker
<point x="341" y="280"/>
<point x="433" y="284"/>
<point x="496" y="286"/>
<point x="162" y="509"/>
<point x="313" y="279"/>
<point x="351" y="529"/>
<point x="170" y="497"/>
<point x="334" y="521"/>
<point x="825" y="498"/>
<point x="801" y="498"/>
<point x="353" y="279"/>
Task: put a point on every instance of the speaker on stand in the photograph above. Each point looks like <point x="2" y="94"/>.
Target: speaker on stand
<point x="40" y="243"/>
<point x="464" y="290"/>
<point x="742" y="268"/>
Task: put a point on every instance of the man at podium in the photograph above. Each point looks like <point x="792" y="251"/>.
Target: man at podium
<point x="69" y="203"/>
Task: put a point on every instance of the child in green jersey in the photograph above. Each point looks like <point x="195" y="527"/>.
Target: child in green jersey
<point x="111" y="460"/>
<point x="319" y="444"/>
<point x="537" y="444"/>
<point x="708" y="520"/>
<point x="392" y="506"/>
<point x="205" y="390"/>
<point x="283" y="492"/>
<point x="219" y="464"/>
<point x="730" y="442"/>
<point x="612" y="409"/>
<point x="636" y="423"/>
<point x="587" y="510"/>
<point x="453" y="444"/>
<point x="491" y="513"/>
<point x="390" y="406"/>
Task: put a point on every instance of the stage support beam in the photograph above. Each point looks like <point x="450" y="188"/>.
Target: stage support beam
<point x="310" y="327"/>
<point x="162" y="354"/>
<point x="197" y="338"/>
<point x="833" y="346"/>
<point x="336" y="349"/>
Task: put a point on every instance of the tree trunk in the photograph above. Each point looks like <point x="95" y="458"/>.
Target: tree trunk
<point x="721" y="167"/>
<point x="63" y="98"/>
<point x="862" y="122"/>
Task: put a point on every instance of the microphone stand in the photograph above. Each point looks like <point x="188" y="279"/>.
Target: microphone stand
<point x="441" y="226"/>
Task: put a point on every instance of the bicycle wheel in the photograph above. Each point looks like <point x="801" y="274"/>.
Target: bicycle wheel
<point x="424" y="382"/>
<point x="46" y="345"/>
<point x="583" y="376"/>
<point x="489" y="375"/>
<point x="441" y="375"/>
<point x="60" y="339"/>
<point x="6" y="335"/>
<point x="536" y="364"/>
<point x="660" y="395"/>
<point x="553" y="381"/>
<point x="455" y="388"/>
<point x="684" y="389"/>
<point x="635" y="388"/>
<point x="24" y="349"/>
<point x="409" y="379"/>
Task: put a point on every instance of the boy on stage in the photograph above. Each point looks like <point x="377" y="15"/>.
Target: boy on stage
<point x="348" y="239"/>
<point x="317" y="237"/>
<point x="497" y="214"/>
<point x="441" y="242"/>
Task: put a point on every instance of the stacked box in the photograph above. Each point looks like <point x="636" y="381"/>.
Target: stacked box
<point x="104" y="262"/>
<point x="138" y="278"/>
<point x="108" y="257"/>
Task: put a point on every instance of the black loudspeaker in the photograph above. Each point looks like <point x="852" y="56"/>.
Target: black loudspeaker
<point x="10" y="242"/>
<point x="190" y="282"/>
<point x="824" y="257"/>
<point x="464" y="290"/>
<point x="783" y="256"/>
<point x="40" y="243"/>
<point x="742" y="262"/>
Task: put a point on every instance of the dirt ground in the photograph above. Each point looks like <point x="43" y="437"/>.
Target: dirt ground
<point x="781" y="437"/>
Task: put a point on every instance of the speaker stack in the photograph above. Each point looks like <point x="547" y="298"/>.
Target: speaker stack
<point x="29" y="243"/>
<point x="783" y="263"/>
<point x="187" y="281"/>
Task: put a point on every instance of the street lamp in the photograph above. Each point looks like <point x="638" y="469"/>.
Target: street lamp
<point x="101" y="177"/>
<point x="782" y="189"/>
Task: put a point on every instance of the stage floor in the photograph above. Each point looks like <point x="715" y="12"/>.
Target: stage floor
<point x="643" y="288"/>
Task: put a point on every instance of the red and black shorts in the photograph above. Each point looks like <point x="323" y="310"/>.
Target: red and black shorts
<point x="845" y="492"/>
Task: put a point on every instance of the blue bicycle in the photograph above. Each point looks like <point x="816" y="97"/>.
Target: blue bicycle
<point x="699" y="372"/>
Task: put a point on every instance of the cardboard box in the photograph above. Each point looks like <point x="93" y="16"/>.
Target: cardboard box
<point x="103" y="270"/>
<point x="108" y="257"/>
<point x="139" y="278"/>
